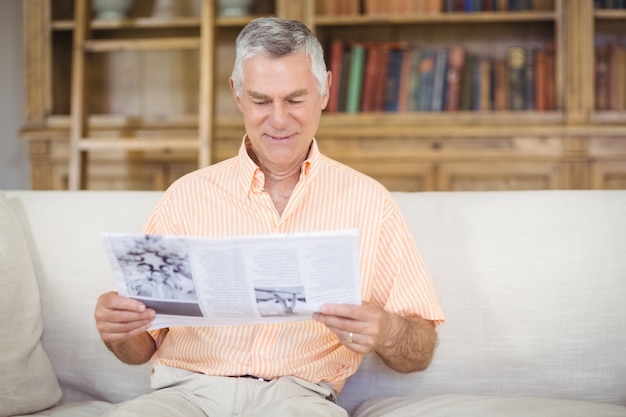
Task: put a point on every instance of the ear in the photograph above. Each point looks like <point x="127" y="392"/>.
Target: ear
<point x="235" y="96"/>
<point x="329" y="80"/>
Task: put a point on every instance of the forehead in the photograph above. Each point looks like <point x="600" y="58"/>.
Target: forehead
<point x="291" y="70"/>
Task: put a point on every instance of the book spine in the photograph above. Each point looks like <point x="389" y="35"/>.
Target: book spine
<point x="501" y="85"/>
<point x="405" y="74"/>
<point x="617" y="77"/>
<point x="540" y="81"/>
<point x="485" y="85"/>
<point x="392" y="80"/>
<point x="345" y="76"/>
<point x="439" y="80"/>
<point x="414" y="81"/>
<point x="529" y="79"/>
<point x="602" y="77"/>
<point x="550" y="78"/>
<point x="427" y="68"/>
<point x="335" y="61"/>
<point x="456" y="62"/>
<point x="476" y="79"/>
<point x="467" y="83"/>
<point x="515" y="57"/>
<point x="370" y="78"/>
<point x="355" y="79"/>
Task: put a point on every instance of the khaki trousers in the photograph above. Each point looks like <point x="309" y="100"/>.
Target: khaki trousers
<point x="182" y="393"/>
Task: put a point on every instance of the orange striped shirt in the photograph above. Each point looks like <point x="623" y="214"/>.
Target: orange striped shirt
<point x="227" y="199"/>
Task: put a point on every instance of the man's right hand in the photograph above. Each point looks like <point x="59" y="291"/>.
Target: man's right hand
<point x="122" y="323"/>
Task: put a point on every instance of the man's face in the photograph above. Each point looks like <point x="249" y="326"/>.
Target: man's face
<point x="281" y="106"/>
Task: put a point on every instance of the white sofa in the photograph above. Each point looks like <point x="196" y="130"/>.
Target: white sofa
<point x="533" y="285"/>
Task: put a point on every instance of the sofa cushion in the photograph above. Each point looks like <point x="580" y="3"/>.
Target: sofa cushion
<point x="27" y="380"/>
<point x="63" y="233"/>
<point x="76" y="409"/>
<point x="484" y="406"/>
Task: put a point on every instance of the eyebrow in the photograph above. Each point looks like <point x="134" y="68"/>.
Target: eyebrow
<point x="298" y="93"/>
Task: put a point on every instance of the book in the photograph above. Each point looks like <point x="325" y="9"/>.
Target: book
<point x="333" y="7"/>
<point x="500" y="85"/>
<point x="405" y="75"/>
<point x="529" y="79"/>
<point x="485" y="81"/>
<point x="427" y="72"/>
<point x="439" y="80"/>
<point x="449" y="5"/>
<point x="601" y="68"/>
<point x="617" y="77"/>
<point x="335" y="59"/>
<point x="343" y="82"/>
<point x="550" y="77"/>
<point x="516" y="60"/>
<point x="480" y="98"/>
<point x="392" y="80"/>
<point x="467" y="83"/>
<point x="414" y="80"/>
<point x="542" y="4"/>
<point x="326" y="7"/>
<point x="456" y="62"/>
<point x="540" y="80"/>
<point x="355" y="78"/>
<point x="374" y="77"/>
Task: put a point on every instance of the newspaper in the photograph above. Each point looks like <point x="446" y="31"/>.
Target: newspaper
<point x="242" y="280"/>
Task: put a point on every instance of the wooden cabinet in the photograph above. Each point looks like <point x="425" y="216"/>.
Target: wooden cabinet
<point x="155" y="93"/>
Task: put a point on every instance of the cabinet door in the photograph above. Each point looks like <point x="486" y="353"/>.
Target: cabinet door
<point x="607" y="162"/>
<point x="499" y="176"/>
<point x="609" y="64"/>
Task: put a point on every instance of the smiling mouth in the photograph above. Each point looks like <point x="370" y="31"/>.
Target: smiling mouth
<point x="279" y="138"/>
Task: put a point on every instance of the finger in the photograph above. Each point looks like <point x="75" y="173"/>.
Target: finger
<point x="341" y="310"/>
<point x="114" y="301"/>
<point x="116" y="332"/>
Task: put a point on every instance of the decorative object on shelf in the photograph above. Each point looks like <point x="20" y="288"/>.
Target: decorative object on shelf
<point x="235" y="7"/>
<point x="111" y="9"/>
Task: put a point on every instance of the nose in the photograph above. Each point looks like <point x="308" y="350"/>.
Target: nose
<point x="279" y="116"/>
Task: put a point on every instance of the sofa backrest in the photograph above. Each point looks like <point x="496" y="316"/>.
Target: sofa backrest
<point x="533" y="285"/>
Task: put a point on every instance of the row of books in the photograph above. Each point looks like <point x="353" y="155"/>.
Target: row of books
<point x="496" y="5"/>
<point x="397" y="77"/>
<point x="610" y="76"/>
<point x="609" y="4"/>
<point x="378" y="7"/>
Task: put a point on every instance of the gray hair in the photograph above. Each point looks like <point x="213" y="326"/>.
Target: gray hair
<point x="272" y="37"/>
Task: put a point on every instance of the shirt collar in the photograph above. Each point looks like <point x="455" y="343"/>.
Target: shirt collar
<point x="252" y="178"/>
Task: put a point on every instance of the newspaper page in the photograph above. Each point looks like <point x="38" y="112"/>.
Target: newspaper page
<point x="242" y="280"/>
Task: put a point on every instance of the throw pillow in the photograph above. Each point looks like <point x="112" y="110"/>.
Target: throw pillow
<point x="27" y="381"/>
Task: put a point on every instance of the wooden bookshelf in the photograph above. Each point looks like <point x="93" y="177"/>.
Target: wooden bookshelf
<point x="572" y="146"/>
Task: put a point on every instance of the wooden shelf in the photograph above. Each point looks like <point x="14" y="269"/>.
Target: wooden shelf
<point x="139" y="23"/>
<point x="110" y="45"/>
<point x="436" y="19"/>
<point x="571" y="147"/>
<point x="609" y="14"/>
<point x="153" y="23"/>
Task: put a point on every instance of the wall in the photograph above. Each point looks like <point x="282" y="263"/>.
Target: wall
<point x="14" y="165"/>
